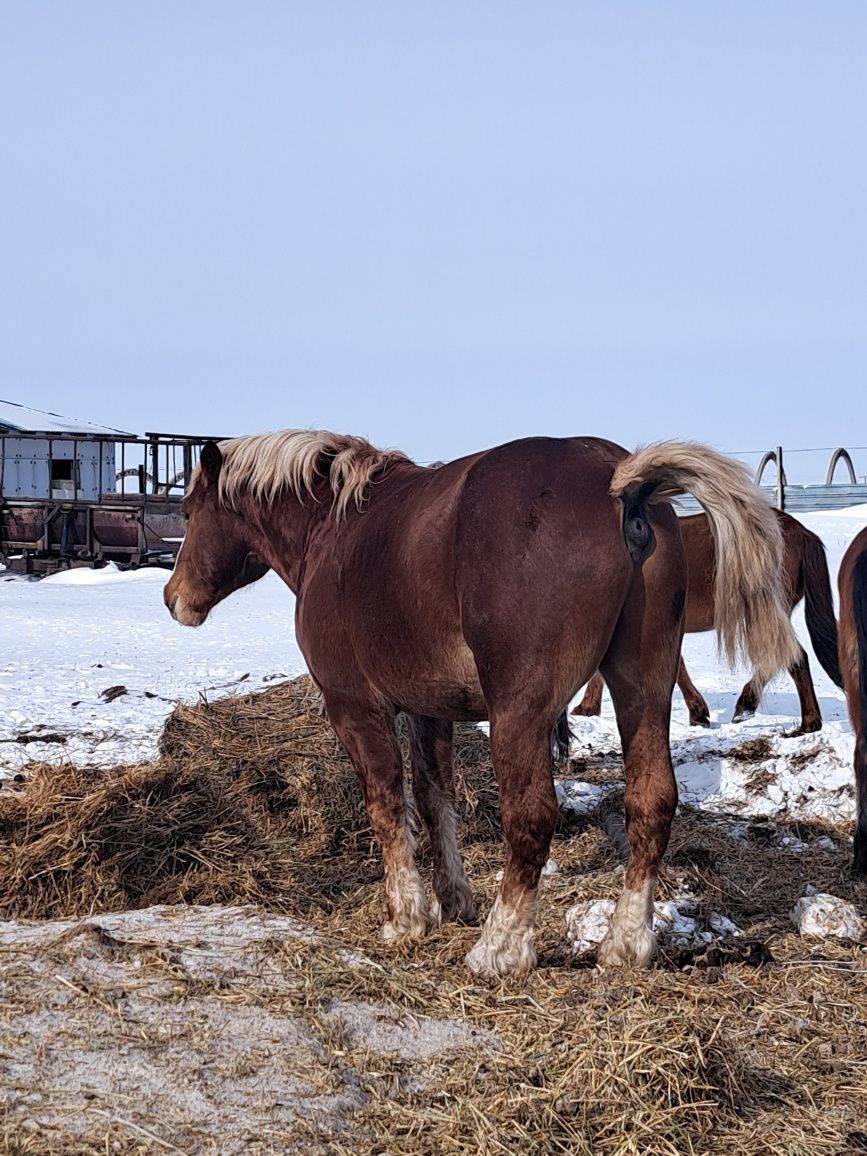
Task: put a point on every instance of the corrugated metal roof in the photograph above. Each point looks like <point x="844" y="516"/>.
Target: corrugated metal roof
<point x="798" y="499"/>
<point x="20" y="418"/>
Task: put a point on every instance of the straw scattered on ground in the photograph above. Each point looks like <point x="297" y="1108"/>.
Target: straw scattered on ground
<point x="756" y="1045"/>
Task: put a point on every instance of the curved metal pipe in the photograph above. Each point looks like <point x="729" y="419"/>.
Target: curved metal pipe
<point x="837" y="456"/>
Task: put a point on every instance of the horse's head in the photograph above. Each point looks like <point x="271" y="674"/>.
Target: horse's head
<point x="217" y="555"/>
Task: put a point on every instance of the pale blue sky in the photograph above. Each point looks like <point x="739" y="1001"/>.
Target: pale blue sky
<point x="440" y="225"/>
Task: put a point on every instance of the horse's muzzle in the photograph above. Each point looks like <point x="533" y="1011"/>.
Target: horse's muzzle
<point x="180" y="611"/>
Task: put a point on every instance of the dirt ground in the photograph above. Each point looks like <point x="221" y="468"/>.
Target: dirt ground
<point x="194" y="1029"/>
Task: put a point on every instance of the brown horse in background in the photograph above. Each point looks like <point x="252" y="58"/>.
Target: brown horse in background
<point x="853" y="663"/>
<point x="805" y="575"/>
<point x="490" y="588"/>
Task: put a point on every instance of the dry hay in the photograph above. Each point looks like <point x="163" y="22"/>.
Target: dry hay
<point x="252" y="800"/>
<point x="758" y="1046"/>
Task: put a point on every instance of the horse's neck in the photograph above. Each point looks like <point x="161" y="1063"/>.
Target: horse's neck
<point x="289" y="529"/>
<point x="281" y="533"/>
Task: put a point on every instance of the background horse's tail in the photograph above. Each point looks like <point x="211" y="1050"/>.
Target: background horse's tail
<point x="859" y="608"/>
<point x="751" y="610"/>
<point x="561" y="739"/>
<point x="819" y="604"/>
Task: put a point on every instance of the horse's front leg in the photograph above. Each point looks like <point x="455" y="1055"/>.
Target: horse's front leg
<point x="434" y="791"/>
<point x="699" y="715"/>
<point x="591" y="704"/>
<point x="365" y="726"/>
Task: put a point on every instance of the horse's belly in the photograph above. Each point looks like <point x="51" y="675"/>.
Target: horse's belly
<point x="458" y="703"/>
<point x="443" y="684"/>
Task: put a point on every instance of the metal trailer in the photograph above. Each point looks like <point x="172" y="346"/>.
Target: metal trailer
<point x="120" y="501"/>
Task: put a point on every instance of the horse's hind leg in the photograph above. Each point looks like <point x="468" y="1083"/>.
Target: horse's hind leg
<point x="591" y="703"/>
<point x="699" y="715"/>
<point x="521" y="753"/>
<point x="650" y="800"/>
<point x="749" y="699"/>
<point x="433" y="788"/>
<point x="811" y="715"/>
<point x="639" y="669"/>
<point x="366" y="729"/>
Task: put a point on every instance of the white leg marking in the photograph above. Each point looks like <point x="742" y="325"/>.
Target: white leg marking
<point x="407" y="901"/>
<point x="630" y="940"/>
<point x="506" y="944"/>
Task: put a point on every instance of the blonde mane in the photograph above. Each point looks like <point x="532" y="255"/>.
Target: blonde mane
<point x="267" y="465"/>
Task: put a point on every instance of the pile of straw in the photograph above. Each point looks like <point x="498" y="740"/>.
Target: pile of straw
<point x="755" y="1049"/>
<point x="252" y="800"/>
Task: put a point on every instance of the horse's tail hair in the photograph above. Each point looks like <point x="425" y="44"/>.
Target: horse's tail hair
<point x="561" y="738"/>
<point x="751" y="610"/>
<point x="859" y="714"/>
<point x="819" y="604"/>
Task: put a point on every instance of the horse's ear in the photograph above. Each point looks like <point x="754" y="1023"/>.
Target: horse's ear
<point x="211" y="459"/>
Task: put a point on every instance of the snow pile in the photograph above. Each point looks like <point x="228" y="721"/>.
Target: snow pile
<point x="677" y="922"/>
<point x="809" y="776"/>
<point x="587" y="924"/>
<point x="580" y="798"/>
<point x="826" y="916"/>
<point x="110" y="573"/>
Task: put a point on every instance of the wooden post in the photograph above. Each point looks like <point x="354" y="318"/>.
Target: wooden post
<point x="781" y="485"/>
<point x="188" y="464"/>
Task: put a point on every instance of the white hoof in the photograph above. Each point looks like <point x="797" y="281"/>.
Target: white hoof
<point x="415" y="928"/>
<point x="506" y="943"/>
<point x="616" y="950"/>
<point x="510" y="957"/>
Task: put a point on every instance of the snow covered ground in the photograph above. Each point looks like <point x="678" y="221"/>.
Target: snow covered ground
<point x="67" y="639"/>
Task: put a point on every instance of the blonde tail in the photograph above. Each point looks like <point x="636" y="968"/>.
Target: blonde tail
<point x="751" y="614"/>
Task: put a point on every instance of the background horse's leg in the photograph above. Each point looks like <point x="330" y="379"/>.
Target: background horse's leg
<point x="433" y="788"/>
<point x="699" y="715"/>
<point x="749" y="699"/>
<point x="521" y="753"/>
<point x="366" y="729"/>
<point x="811" y="715"/>
<point x="591" y="703"/>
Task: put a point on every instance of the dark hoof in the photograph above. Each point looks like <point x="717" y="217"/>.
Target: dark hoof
<point x="859" y="862"/>
<point x="586" y="711"/>
<point x="803" y="729"/>
<point x="742" y="716"/>
<point x="704" y="721"/>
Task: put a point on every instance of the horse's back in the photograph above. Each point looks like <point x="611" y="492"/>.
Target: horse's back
<point x="524" y="486"/>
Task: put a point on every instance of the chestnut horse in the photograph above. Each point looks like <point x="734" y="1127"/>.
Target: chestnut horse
<point x="805" y="575"/>
<point x="490" y="588"/>
<point x="853" y="663"/>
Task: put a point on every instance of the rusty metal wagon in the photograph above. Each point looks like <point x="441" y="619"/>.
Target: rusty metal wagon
<point x="74" y="494"/>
